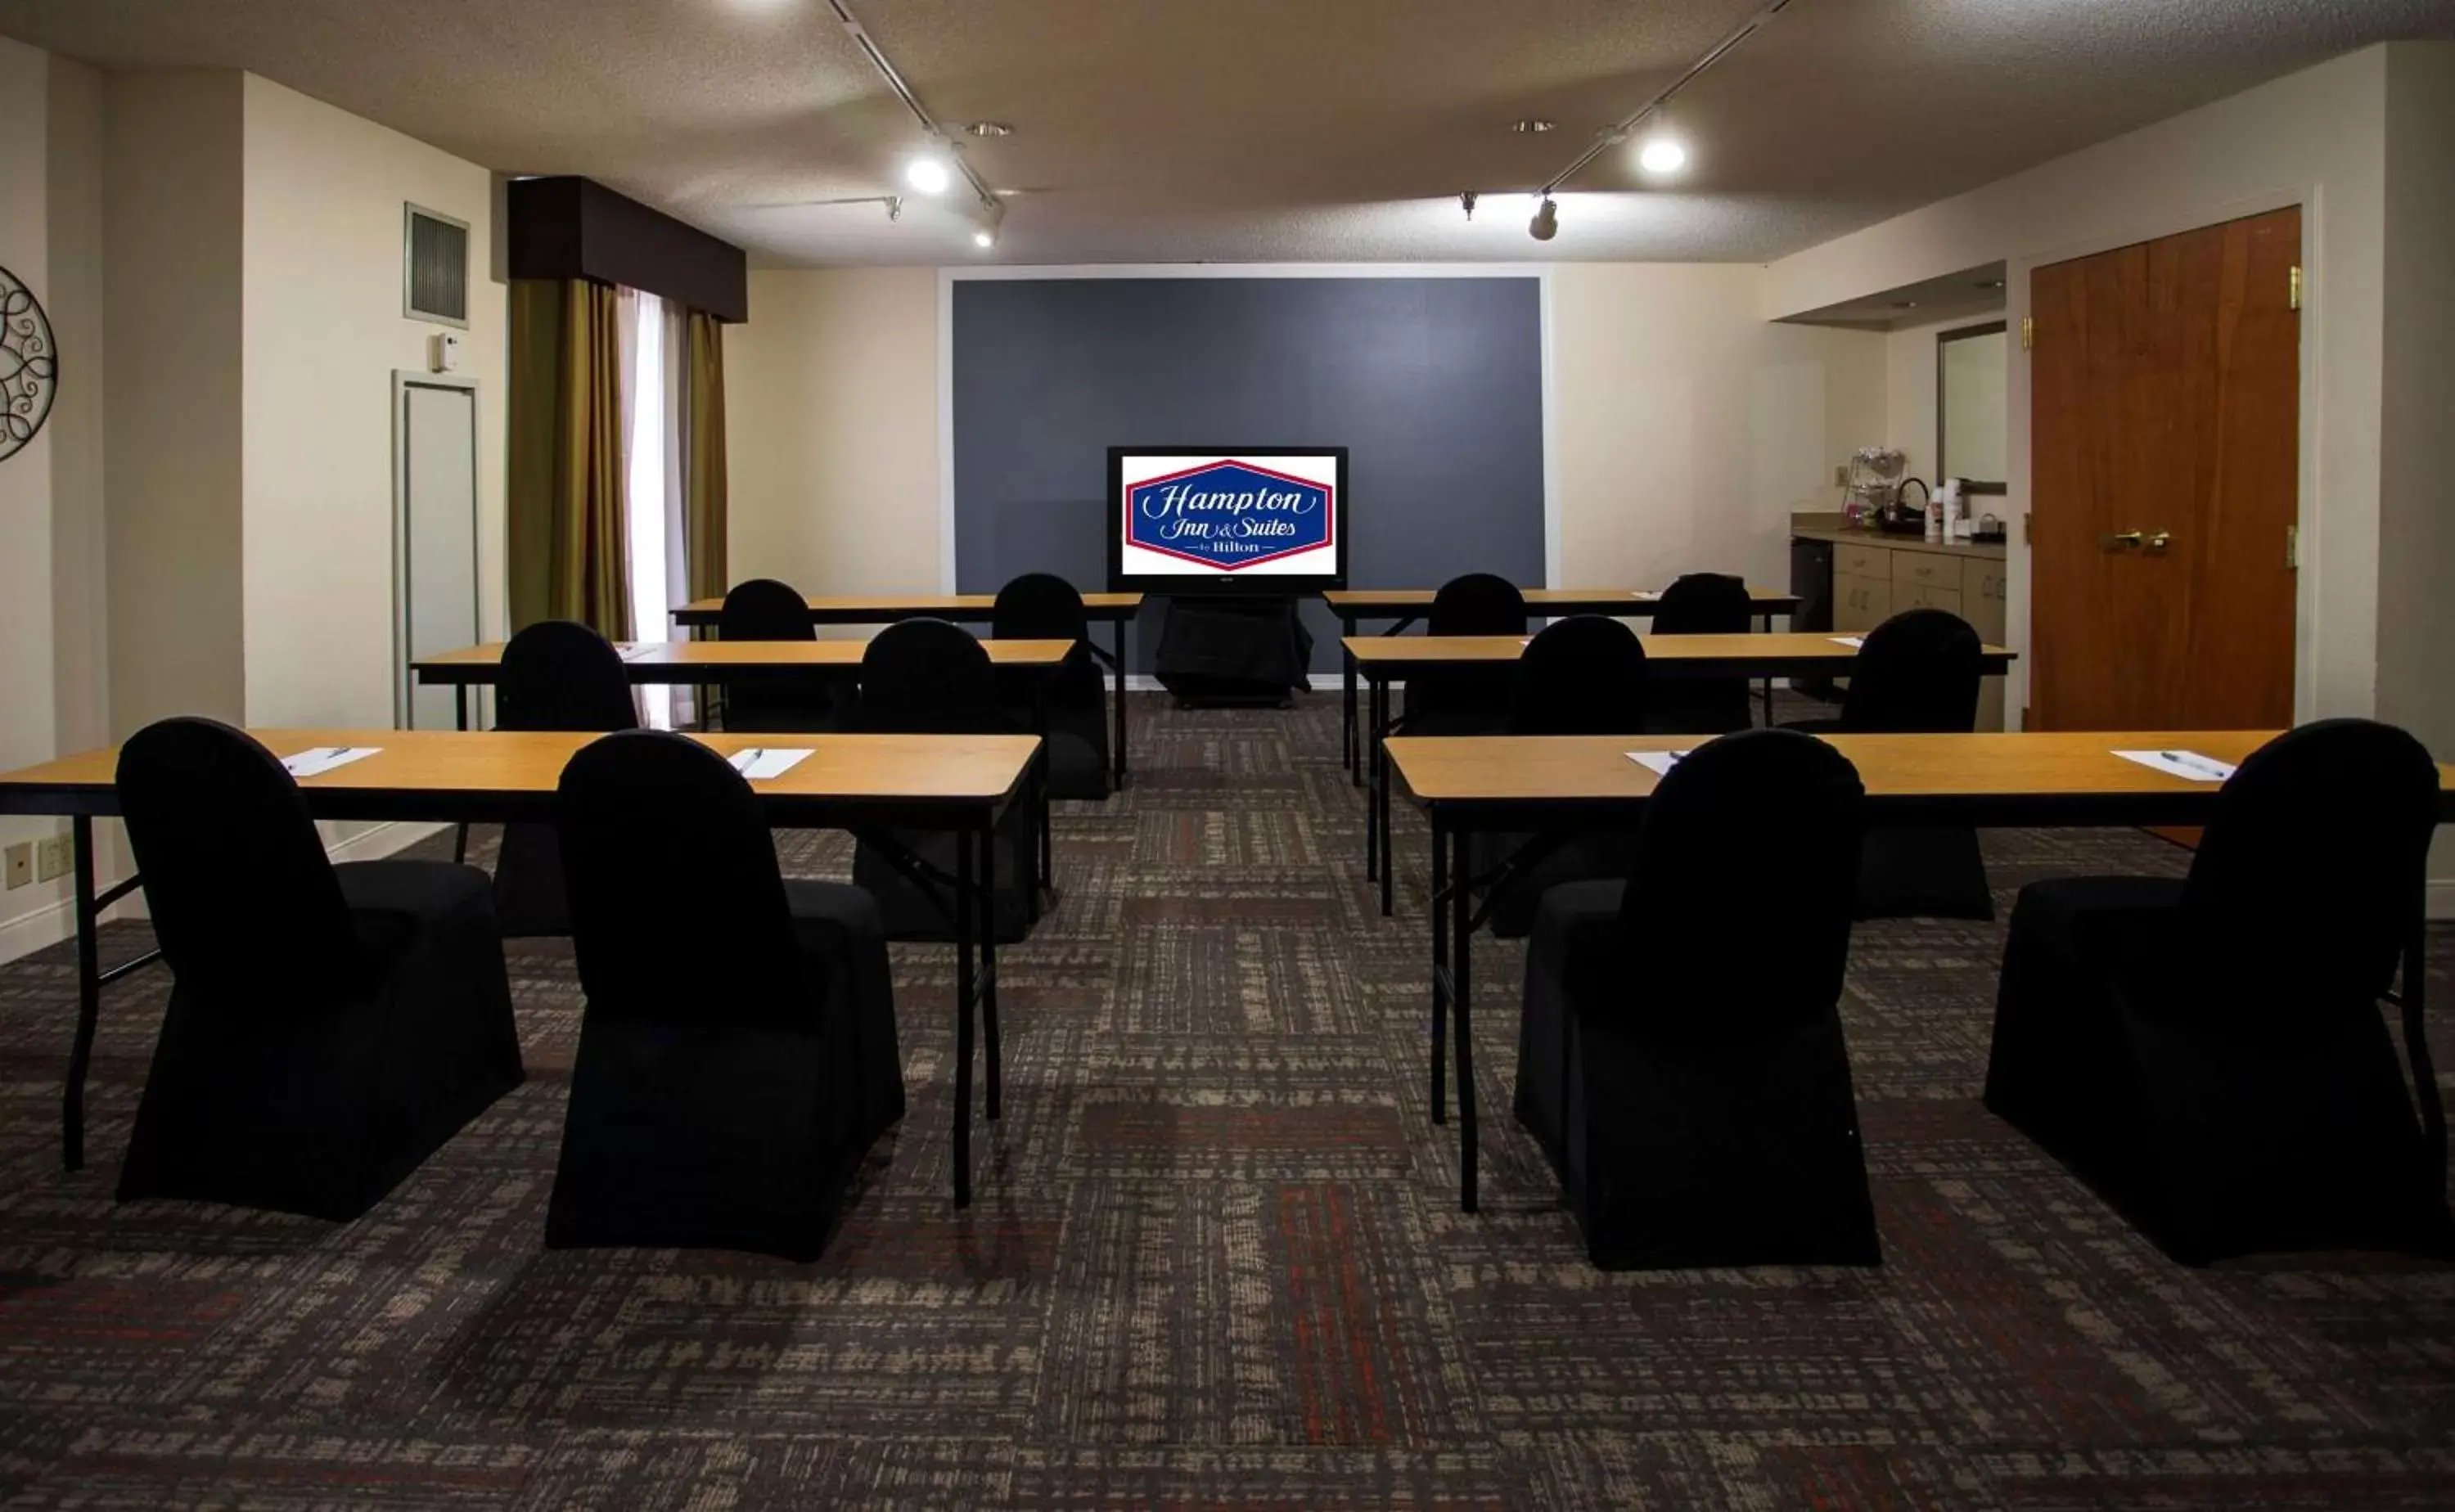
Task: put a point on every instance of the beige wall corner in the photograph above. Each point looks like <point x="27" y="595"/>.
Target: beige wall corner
<point x="832" y="435"/>
<point x="1688" y="429"/>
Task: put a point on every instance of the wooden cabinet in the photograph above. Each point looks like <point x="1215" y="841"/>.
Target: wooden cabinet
<point x="1873" y="582"/>
<point x="1981" y="601"/>
<point x="1860" y="603"/>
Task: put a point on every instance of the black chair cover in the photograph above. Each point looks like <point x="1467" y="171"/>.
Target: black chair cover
<point x="738" y="1055"/>
<point x="1237" y="652"/>
<point x="556" y="674"/>
<point x="2209" y="1053"/>
<point x="1580" y="676"/>
<point x="1467" y="701"/>
<point x="763" y="609"/>
<point x="925" y="676"/>
<point x="329" y="1027"/>
<point x="1917" y="674"/>
<point x="1702" y="604"/>
<point x="1041" y="606"/>
<point x="1690" y="1086"/>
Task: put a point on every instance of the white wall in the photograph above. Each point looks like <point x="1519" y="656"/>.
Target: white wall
<point x="27" y="694"/>
<point x="172" y="418"/>
<point x="2416" y="645"/>
<point x="323" y="333"/>
<point x="831" y="425"/>
<point x="2314" y="138"/>
<point x="210" y="531"/>
<point x="1686" y="427"/>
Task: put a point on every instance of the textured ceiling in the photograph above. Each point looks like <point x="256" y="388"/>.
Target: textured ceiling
<point x="1170" y="130"/>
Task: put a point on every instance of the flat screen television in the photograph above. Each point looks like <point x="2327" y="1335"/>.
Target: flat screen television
<point x="1257" y="519"/>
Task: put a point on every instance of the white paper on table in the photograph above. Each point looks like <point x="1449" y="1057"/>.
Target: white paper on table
<point x="635" y="652"/>
<point x="2187" y="764"/>
<point x="1657" y="762"/>
<point x="1854" y="642"/>
<point x="762" y="762"/>
<point x="323" y="759"/>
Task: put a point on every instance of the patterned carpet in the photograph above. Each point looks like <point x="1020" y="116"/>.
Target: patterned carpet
<point x="1216" y="1260"/>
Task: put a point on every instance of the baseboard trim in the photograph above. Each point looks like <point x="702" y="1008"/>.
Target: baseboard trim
<point x="53" y="922"/>
<point x="45" y="927"/>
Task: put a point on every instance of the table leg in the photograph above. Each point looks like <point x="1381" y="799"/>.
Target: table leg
<point x="1765" y="623"/>
<point x="1461" y="997"/>
<point x="1378" y="694"/>
<point x="1381" y="804"/>
<point x="964" y="1020"/>
<point x="1347" y="742"/>
<point x="1119" y="649"/>
<point x="461" y="718"/>
<point x="1440" y="968"/>
<point x="989" y="968"/>
<point x="1045" y="849"/>
<point x="88" y="994"/>
<point x="2425" y="1074"/>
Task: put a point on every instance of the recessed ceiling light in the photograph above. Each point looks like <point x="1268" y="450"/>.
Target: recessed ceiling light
<point x="1904" y="304"/>
<point x="1532" y="125"/>
<point x="990" y="128"/>
<point x="928" y="174"/>
<point x="1662" y="155"/>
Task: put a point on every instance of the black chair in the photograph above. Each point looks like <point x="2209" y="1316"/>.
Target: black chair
<point x="1581" y="676"/>
<point x="1691" y="1085"/>
<point x="763" y="609"/>
<point x="2209" y="1053"/>
<point x="556" y="674"/>
<point x="1916" y="674"/>
<point x="925" y="676"/>
<point x="329" y="1026"/>
<point x="738" y="1055"/>
<point x="1702" y="604"/>
<point x="1467" y="701"/>
<point x="1041" y="606"/>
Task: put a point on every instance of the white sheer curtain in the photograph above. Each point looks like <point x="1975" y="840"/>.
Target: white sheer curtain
<point x="654" y="365"/>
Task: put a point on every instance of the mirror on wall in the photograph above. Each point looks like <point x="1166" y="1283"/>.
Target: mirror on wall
<point x="1971" y="406"/>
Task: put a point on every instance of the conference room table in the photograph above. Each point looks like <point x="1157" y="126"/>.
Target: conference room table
<point x="1536" y="784"/>
<point x="1404" y="606"/>
<point x="1112" y="610"/>
<point x="935" y="783"/>
<point x="1387" y="659"/>
<point x="724" y="663"/>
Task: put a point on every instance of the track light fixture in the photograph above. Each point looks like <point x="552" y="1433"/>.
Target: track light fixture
<point x="1466" y="202"/>
<point x="935" y="169"/>
<point x="1546" y="223"/>
<point x="894" y="208"/>
<point x="984" y="234"/>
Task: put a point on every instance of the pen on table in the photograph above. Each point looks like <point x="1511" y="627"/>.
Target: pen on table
<point x="2184" y="758"/>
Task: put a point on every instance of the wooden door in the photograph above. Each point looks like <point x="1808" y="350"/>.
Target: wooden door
<point x="2164" y="443"/>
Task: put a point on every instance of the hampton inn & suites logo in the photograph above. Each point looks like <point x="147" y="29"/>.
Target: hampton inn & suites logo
<point x="1228" y="514"/>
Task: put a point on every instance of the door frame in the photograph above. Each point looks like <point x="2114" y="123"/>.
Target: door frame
<point x="403" y="380"/>
<point x="2018" y="267"/>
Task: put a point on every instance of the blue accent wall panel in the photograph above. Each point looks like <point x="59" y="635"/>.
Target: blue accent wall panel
<point x="1434" y="384"/>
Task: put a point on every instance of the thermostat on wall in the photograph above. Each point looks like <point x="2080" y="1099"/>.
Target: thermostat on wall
<point x="443" y="351"/>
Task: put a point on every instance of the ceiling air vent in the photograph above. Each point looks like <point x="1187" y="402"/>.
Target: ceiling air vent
<point x="435" y="268"/>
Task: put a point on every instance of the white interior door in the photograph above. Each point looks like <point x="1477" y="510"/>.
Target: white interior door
<point x="436" y="543"/>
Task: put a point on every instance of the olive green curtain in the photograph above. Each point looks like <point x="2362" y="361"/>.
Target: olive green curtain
<point x="703" y="487"/>
<point x="568" y="556"/>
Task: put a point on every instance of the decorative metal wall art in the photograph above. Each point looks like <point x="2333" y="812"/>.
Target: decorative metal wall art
<point x="29" y="366"/>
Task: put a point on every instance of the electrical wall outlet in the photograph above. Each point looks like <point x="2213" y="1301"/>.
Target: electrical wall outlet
<point x="21" y="863"/>
<point x="50" y="858"/>
<point x="1841" y="474"/>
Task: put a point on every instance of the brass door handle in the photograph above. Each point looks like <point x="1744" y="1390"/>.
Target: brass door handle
<point x="2123" y="538"/>
<point x="2161" y="541"/>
